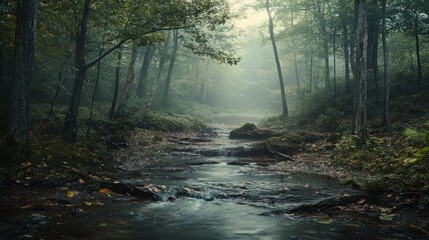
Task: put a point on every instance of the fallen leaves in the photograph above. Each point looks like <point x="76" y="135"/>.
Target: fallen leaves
<point x="26" y="164"/>
<point x="93" y="203"/>
<point x="71" y="194"/>
<point x="105" y="191"/>
<point x="26" y="206"/>
<point x="387" y="217"/>
<point x="325" y="221"/>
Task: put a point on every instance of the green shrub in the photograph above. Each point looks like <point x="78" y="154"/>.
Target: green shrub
<point x="330" y="120"/>
<point x="166" y="122"/>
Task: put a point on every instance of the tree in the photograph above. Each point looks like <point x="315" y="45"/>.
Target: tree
<point x="361" y="69"/>
<point x="128" y="82"/>
<point x="408" y="18"/>
<point x="117" y="78"/>
<point x="276" y="57"/>
<point x="163" y="50"/>
<point x="170" y="68"/>
<point x="139" y="19"/>
<point x="97" y="80"/>
<point x="19" y="106"/>
<point x="345" y="41"/>
<point x="70" y="126"/>
<point x="144" y="69"/>
<point x="386" y="65"/>
<point x="373" y="42"/>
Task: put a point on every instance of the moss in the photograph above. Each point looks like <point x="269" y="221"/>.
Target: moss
<point x="166" y="122"/>
<point x="287" y="144"/>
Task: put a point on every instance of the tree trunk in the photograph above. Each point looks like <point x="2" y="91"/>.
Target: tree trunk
<point x="326" y="55"/>
<point x="345" y="39"/>
<point x="69" y="131"/>
<point x="162" y="56"/>
<point x="362" y="71"/>
<point x="298" y="85"/>
<point x="354" y="65"/>
<point x="57" y="90"/>
<point x="353" y="53"/>
<point x="335" y="66"/>
<point x="325" y="38"/>
<point x="295" y="63"/>
<point x="419" y="65"/>
<point x="144" y="69"/>
<point x="386" y="65"/>
<point x="70" y="127"/>
<point x="276" y="57"/>
<point x="128" y="83"/>
<point x="201" y="90"/>
<point x="117" y="78"/>
<point x="170" y="68"/>
<point x="372" y="48"/>
<point x="1" y="67"/>
<point x="94" y="93"/>
<point x="311" y="73"/>
<point x="19" y="105"/>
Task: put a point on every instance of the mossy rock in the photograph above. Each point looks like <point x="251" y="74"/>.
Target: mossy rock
<point x="286" y="144"/>
<point x="250" y="131"/>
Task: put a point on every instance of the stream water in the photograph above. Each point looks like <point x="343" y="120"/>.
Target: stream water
<point x="227" y="201"/>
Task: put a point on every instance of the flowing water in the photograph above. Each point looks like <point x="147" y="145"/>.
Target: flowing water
<point x="225" y="201"/>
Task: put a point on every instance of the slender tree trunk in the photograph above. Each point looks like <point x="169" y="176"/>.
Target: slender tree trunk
<point x="419" y="65"/>
<point x="276" y="56"/>
<point x="386" y="121"/>
<point x="345" y="39"/>
<point x="295" y="63"/>
<point x="70" y="123"/>
<point x="354" y="65"/>
<point x="335" y="66"/>
<point x="144" y="69"/>
<point x="375" y="60"/>
<point x="298" y="85"/>
<point x="353" y="45"/>
<point x="170" y="68"/>
<point x="311" y="73"/>
<point x="162" y="57"/>
<point x="117" y="78"/>
<point x="57" y="90"/>
<point x="326" y="55"/>
<point x="19" y="105"/>
<point x="325" y="38"/>
<point x="1" y="66"/>
<point x="362" y="71"/>
<point x="94" y="93"/>
<point x="126" y="93"/>
<point x="372" y="49"/>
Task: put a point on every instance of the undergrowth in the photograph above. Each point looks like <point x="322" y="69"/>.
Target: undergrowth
<point x="399" y="162"/>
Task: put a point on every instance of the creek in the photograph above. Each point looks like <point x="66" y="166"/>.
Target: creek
<point x="220" y="197"/>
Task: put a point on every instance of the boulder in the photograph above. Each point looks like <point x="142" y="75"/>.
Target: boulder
<point x="250" y="131"/>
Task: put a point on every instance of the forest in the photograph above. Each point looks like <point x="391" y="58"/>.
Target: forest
<point x="214" y="119"/>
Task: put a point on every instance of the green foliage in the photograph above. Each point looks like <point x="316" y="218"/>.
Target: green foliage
<point x="330" y="120"/>
<point x="417" y="137"/>
<point x="166" y="121"/>
<point x="424" y="202"/>
<point x="278" y="122"/>
<point x="400" y="162"/>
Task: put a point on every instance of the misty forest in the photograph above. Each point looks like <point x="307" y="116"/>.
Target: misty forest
<point x="214" y="119"/>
